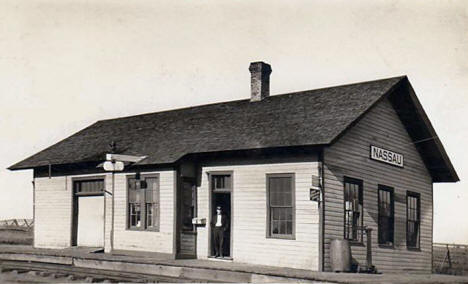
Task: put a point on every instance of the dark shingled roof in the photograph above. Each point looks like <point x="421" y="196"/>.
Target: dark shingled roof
<point x="315" y="117"/>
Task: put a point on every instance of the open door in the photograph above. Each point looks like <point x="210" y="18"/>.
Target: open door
<point x="221" y="195"/>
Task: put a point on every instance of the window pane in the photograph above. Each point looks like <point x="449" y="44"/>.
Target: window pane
<point x="353" y="209"/>
<point x="275" y="227"/>
<point x="149" y="214"/>
<point x="143" y="202"/>
<point x="412" y="226"/>
<point x="289" y="213"/>
<point x="385" y="225"/>
<point x="84" y="186"/>
<point x="135" y="215"/>
<point x="282" y="227"/>
<point x="289" y="228"/>
<point x="280" y="189"/>
<point x="131" y="183"/>
<point x="221" y="181"/>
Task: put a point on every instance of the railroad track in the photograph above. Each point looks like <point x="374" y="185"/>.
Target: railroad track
<point x="72" y="274"/>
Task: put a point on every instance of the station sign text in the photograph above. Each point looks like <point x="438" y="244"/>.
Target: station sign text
<point x="386" y="156"/>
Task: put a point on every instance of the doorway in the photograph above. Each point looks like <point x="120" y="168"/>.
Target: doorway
<point x="223" y="200"/>
<point x="187" y="232"/>
<point x="221" y="195"/>
<point x="88" y="213"/>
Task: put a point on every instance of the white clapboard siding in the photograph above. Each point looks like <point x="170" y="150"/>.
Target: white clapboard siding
<point x="162" y="241"/>
<point x="52" y="216"/>
<point x="250" y="244"/>
<point x="349" y="156"/>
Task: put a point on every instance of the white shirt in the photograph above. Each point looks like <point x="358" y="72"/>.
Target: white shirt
<point x="218" y="220"/>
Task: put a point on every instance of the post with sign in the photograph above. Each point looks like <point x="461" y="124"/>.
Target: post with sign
<point x="116" y="163"/>
<point x="113" y="166"/>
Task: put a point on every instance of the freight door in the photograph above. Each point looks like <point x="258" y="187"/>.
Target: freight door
<point x="91" y="221"/>
<point x="88" y="213"/>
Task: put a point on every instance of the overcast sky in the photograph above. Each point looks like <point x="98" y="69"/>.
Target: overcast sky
<point x="65" y="64"/>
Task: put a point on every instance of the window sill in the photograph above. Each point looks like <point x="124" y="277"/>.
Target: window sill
<point x="142" y="230"/>
<point x="356" y="243"/>
<point x="413" y="249"/>
<point x="384" y="246"/>
<point x="281" y="237"/>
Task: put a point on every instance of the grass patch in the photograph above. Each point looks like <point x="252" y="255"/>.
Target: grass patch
<point x="16" y="236"/>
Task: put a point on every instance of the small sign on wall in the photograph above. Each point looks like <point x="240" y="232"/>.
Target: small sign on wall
<point x="386" y="156"/>
<point x="315" y="194"/>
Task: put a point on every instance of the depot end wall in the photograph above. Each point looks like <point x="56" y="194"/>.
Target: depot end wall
<point x="350" y="157"/>
<point x="53" y="214"/>
<point x="249" y="216"/>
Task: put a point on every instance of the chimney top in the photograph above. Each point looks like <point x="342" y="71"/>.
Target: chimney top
<point x="260" y="80"/>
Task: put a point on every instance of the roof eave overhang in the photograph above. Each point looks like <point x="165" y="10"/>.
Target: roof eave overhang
<point x="442" y="171"/>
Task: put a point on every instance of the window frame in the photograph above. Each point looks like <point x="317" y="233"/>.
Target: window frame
<point x="391" y="190"/>
<point x="269" y="235"/>
<point x="78" y="180"/>
<point x="213" y="175"/>
<point x="360" y="183"/>
<point x="143" y="203"/>
<point x="418" y="213"/>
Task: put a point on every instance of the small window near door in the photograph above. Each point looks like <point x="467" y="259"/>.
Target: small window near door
<point x="281" y="206"/>
<point x="413" y="215"/>
<point x="143" y="203"/>
<point x="89" y="187"/>
<point x="386" y="215"/>
<point x="221" y="182"/>
<point x="353" y="203"/>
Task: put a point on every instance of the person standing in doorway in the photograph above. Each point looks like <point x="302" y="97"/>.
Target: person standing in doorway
<point x="219" y="224"/>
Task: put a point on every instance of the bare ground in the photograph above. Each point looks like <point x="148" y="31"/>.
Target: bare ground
<point x="16" y="236"/>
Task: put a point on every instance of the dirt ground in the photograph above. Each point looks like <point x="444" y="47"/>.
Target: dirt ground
<point x="16" y="236"/>
<point x="13" y="277"/>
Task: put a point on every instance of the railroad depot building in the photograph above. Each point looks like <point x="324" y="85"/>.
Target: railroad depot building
<point x="292" y="172"/>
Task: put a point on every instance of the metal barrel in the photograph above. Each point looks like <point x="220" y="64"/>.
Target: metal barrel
<point x="340" y="256"/>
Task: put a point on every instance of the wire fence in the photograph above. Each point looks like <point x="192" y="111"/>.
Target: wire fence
<point x="17" y="224"/>
<point x="450" y="259"/>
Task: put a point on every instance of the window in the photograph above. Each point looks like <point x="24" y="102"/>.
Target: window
<point x="221" y="182"/>
<point x="353" y="209"/>
<point x="413" y="213"/>
<point x="280" y="201"/>
<point x="143" y="203"/>
<point x="386" y="215"/>
<point x="89" y="187"/>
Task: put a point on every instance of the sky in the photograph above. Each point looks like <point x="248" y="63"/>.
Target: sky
<point x="66" y="64"/>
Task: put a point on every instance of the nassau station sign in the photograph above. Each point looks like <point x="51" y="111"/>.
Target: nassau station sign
<point x="386" y="156"/>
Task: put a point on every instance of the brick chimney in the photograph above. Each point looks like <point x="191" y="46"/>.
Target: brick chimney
<point x="260" y="80"/>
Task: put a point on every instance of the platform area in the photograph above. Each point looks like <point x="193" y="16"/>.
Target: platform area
<point x="207" y="270"/>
